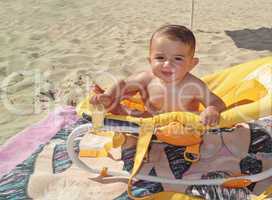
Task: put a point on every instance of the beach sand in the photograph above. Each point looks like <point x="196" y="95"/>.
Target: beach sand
<point x="52" y="50"/>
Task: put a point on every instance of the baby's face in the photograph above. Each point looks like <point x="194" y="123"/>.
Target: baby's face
<point x="170" y="60"/>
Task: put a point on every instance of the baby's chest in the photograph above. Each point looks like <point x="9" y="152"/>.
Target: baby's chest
<point x="170" y="99"/>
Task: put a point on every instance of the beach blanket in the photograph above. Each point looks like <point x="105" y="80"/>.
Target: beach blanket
<point x="36" y="165"/>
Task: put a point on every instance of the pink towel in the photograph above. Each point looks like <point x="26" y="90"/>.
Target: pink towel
<point x="23" y="144"/>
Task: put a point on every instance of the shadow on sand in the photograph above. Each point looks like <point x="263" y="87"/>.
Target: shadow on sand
<point x="255" y="39"/>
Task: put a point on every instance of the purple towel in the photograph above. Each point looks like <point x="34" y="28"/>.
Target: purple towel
<point x="23" y="144"/>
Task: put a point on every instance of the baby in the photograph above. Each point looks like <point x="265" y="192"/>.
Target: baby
<point x="168" y="85"/>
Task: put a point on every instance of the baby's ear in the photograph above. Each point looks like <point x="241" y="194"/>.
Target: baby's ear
<point x="195" y="61"/>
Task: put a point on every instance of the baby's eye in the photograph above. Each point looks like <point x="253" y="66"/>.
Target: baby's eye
<point x="178" y="58"/>
<point x="159" y="57"/>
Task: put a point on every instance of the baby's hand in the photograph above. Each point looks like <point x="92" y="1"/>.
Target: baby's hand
<point x="103" y="99"/>
<point x="210" y="116"/>
<point x="100" y="97"/>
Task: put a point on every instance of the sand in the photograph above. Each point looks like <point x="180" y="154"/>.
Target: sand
<point x="52" y="50"/>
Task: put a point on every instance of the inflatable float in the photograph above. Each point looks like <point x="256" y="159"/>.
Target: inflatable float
<point x="246" y="90"/>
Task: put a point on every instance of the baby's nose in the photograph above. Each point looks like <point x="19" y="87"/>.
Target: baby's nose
<point x="167" y="63"/>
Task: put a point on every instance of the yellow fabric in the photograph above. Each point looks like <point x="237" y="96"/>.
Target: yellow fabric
<point x="134" y="104"/>
<point x="145" y="135"/>
<point x="177" y="134"/>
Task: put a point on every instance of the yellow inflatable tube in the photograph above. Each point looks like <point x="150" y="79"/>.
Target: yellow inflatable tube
<point x="246" y="89"/>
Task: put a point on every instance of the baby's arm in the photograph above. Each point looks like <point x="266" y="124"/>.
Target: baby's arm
<point x="214" y="105"/>
<point x="122" y="89"/>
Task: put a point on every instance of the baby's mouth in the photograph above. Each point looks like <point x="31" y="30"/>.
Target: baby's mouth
<point x="167" y="73"/>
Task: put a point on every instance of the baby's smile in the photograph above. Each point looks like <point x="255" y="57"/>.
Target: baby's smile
<point x="167" y="73"/>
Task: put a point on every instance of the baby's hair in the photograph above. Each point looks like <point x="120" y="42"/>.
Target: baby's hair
<point x="177" y="33"/>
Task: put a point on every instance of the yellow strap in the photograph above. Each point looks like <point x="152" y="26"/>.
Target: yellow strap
<point x="145" y="134"/>
<point x="264" y="195"/>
